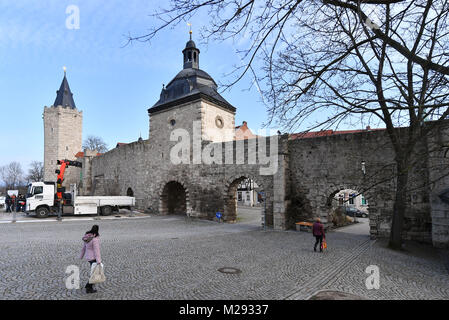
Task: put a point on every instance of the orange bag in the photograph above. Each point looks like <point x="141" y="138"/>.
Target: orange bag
<point x="324" y="244"/>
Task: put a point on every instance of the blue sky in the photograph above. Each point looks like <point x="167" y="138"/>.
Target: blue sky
<point x="113" y="85"/>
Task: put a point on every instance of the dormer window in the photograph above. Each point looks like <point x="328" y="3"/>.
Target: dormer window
<point x="172" y="122"/>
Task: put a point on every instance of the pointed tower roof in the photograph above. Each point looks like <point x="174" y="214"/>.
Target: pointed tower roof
<point x="64" y="97"/>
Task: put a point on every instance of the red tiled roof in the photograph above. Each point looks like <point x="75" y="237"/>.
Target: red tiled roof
<point x="120" y="144"/>
<point x="81" y="154"/>
<point x="242" y="132"/>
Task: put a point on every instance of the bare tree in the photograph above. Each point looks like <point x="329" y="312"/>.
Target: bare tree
<point x="95" y="143"/>
<point x="332" y="62"/>
<point x="12" y="175"/>
<point x="36" y="171"/>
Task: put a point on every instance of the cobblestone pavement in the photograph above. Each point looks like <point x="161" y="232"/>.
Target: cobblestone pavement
<point x="171" y="257"/>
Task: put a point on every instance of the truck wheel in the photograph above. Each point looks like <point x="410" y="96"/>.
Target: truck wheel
<point x="42" y="212"/>
<point x="106" y="210"/>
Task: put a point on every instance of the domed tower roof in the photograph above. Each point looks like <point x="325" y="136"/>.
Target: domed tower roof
<point x="190" y="84"/>
<point x="190" y="44"/>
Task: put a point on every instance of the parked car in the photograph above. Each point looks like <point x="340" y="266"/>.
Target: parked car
<point x="350" y="211"/>
<point x="2" y="202"/>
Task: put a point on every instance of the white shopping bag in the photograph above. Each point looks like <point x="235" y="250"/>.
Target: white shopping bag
<point x="97" y="273"/>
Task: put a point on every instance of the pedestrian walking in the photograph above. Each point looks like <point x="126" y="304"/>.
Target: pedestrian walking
<point x="318" y="233"/>
<point x="91" y="251"/>
<point x="8" y="203"/>
<point x="13" y="203"/>
<point x="23" y="203"/>
<point x="19" y="201"/>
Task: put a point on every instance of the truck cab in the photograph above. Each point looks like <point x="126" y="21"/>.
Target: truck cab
<point x="40" y="198"/>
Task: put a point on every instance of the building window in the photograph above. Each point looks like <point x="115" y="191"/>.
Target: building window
<point x="239" y="196"/>
<point x="67" y="148"/>
<point x="364" y="202"/>
<point x="248" y="196"/>
<point x="172" y="122"/>
<point x="351" y="198"/>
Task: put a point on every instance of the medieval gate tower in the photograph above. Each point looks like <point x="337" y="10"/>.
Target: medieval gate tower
<point x="63" y="127"/>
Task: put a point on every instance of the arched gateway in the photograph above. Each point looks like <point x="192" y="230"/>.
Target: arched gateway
<point x="173" y="199"/>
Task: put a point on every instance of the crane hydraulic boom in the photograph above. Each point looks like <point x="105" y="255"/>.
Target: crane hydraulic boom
<point x="64" y="165"/>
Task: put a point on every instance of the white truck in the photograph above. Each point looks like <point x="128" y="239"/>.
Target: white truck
<point x="41" y="199"/>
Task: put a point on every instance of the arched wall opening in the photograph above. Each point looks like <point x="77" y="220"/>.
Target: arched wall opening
<point x="130" y="192"/>
<point x="173" y="199"/>
<point x="245" y="201"/>
<point x="346" y="205"/>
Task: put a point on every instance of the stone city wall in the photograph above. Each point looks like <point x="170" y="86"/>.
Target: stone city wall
<point x="310" y="172"/>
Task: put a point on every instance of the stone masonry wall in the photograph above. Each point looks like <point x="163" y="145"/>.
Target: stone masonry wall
<point x="62" y="140"/>
<point x="184" y="115"/>
<point x="142" y="167"/>
<point x="309" y="173"/>
<point x="439" y="180"/>
<point x="319" y="167"/>
<point x="209" y="127"/>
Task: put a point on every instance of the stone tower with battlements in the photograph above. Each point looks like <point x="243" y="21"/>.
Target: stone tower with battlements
<point x="63" y="126"/>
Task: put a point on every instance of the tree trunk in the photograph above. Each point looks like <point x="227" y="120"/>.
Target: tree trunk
<point x="399" y="206"/>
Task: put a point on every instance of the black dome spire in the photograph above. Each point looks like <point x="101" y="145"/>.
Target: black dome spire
<point x="190" y="84"/>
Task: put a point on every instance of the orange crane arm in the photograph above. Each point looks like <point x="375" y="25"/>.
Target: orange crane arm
<point x="64" y="164"/>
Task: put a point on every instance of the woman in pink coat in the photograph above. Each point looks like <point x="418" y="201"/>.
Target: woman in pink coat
<point x="318" y="233"/>
<point x="91" y="251"/>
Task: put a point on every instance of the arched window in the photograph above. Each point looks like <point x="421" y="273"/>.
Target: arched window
<point x="130" y="192"/>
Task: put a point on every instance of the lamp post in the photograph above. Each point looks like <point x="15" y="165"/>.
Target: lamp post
<point x="59" y="218"/>
<point x="363" y="163"/>
<point x="264" y="210"/>
<point x="14" y="215"/>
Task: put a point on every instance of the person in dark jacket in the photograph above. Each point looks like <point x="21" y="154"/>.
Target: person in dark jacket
<point x="8" y="203"/>
<point x="19" y="203"/>
<point x="318" y="233"/>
